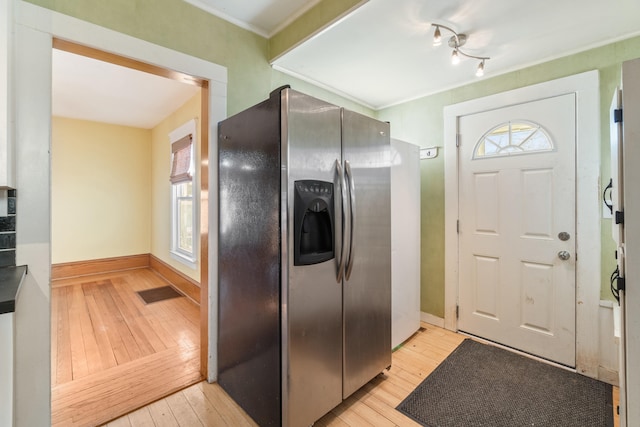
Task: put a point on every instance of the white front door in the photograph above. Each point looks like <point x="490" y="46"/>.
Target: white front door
<point x="517" y="226"/>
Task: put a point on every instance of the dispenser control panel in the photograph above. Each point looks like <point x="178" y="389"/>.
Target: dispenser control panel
<point x="317" y="187"/>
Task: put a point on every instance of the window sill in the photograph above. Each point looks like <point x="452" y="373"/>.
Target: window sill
<point x="189" y="262"/>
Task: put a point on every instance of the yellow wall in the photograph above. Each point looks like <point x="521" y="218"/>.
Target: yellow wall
<point x="101" y="203"/>
<point x="106" y="204"/>
<point x="161" y="191"/>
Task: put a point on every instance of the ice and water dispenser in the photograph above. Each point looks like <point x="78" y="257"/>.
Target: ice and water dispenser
<point x="313" y="222"/>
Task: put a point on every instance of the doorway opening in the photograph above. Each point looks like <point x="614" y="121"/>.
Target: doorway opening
<point x="110" y="196"/>
<point x="517" y="227"/>
<point x="585" y="87"/>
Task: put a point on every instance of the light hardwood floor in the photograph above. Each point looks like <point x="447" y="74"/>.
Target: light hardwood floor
<point x="111" y="353"/>
<point x="374" y="405"/>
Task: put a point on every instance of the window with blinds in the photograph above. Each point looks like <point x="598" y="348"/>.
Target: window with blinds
<point x="181" y="164"/>
<point x="183" y="194"/>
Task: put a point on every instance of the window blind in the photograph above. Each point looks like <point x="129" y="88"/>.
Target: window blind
<point x="181" y="162"/>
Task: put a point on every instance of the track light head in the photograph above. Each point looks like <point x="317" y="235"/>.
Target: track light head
<point x="455" y="58"/>
<point x="437" y="37"/>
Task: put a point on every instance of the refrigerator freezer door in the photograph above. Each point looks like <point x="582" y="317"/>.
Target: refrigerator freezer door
<point x="312" y="301"/>
<point x="367" y="291"/>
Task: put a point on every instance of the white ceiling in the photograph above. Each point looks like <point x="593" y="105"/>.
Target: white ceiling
<point x="380" y="55"/>
<point x="88" y="89"/>
<point x="264" y="17"/>
<point x="383" y="53"/>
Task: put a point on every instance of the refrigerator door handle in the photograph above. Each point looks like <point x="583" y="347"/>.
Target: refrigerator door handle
<point x="343" y="195"/>
<point x="352" y="217"/>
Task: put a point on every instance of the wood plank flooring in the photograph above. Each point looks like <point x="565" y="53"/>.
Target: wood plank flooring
<point x="111" y="353"/>
<point x="206" y="404"/>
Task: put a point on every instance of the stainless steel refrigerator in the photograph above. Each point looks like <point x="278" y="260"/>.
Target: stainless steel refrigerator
<point x="304" y="257"/>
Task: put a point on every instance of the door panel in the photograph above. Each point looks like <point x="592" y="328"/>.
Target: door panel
<point x="537" y="203"/>
<point x="486" y="291"/>
<point x="514" y="289"/>
<point x="486" y="202"/>
<point x="537" y="297"/>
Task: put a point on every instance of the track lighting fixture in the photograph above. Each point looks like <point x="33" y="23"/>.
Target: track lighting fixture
<point x="456" y="42"/>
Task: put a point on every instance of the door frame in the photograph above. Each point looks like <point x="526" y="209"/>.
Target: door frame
<point x="36" y="28"/>
<point x="586" y="88"/>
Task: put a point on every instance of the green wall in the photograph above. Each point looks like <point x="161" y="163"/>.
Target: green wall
<point x="421" y="122"/>
<point x="177" y="25"/>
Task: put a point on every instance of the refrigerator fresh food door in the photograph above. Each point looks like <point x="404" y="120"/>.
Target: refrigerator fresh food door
<point x="367" y="282"/>
<point x="312" y="301"/>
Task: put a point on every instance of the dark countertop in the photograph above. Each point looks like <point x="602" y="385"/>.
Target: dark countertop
<point x="10" y="280"/>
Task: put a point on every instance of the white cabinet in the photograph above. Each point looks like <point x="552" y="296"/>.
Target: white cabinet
<point x="6" y="369"/>
<point x="405" y="241"/>
<point x="7" y="171"/>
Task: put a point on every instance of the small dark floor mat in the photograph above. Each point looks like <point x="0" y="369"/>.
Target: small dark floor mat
<point x="158" y="294"/>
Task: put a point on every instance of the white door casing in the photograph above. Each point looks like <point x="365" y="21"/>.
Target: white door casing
<point x="513" y="287"/>
<point x="36" y="27"/>
<point x="585" y="86"/>
<point x="630" y="298"/>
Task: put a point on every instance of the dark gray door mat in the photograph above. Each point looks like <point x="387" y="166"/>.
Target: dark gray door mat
<point x="158" y="294"/>
<point x="483" y="385"/>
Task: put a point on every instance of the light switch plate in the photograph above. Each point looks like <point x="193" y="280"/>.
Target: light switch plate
<point x="428" y="153"/>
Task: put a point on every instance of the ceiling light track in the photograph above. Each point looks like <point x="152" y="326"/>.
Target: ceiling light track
<point x="456" y="41"/>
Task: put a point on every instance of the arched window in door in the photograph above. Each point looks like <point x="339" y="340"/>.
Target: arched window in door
<point x="512" y="138"/>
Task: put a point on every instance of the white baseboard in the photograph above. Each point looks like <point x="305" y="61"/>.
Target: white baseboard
<point x="431" y="319"/>
<point x="608" y="376"/>
<point x="608" y="344"/>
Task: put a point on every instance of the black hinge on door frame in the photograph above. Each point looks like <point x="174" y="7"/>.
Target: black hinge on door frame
<point x="617" y="115"/>
<point x="457" y="311"/>
<point x="458" y="226"/>
<point x="457" y="140"/>
<point x="619" y="217"/>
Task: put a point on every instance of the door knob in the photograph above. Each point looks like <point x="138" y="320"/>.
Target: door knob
<point x="564" y="255"/>
<point x="564" y="236"/>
